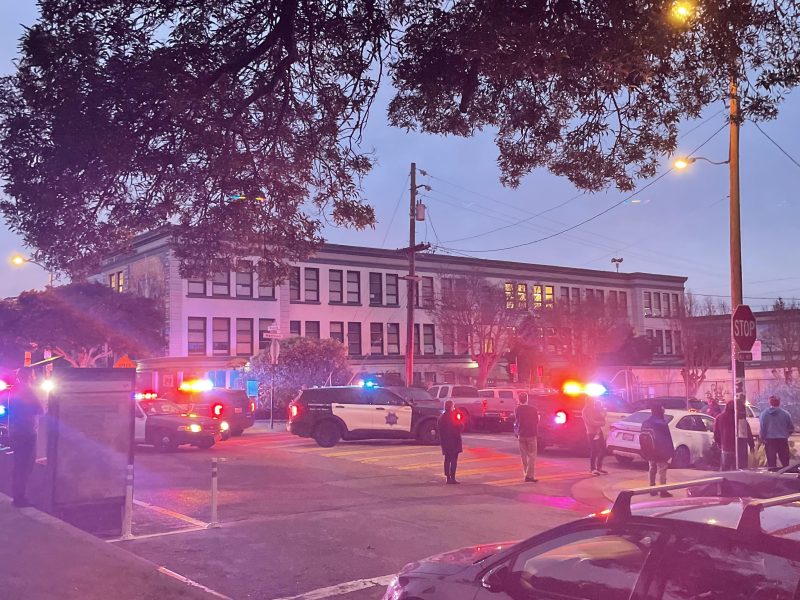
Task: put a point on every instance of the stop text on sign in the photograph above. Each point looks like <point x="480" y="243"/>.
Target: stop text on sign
<point x="744" y="328"/>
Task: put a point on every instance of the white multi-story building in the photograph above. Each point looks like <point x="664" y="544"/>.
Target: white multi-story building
<point x="358" y="296"/>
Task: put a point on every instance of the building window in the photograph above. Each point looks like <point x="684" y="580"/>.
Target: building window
<point x="266" y="289"/>
<point x="537" y="295"/>
<point x="589" y="294"/>
<point x="447" y="289"/>
<point x="393" y="338"/>
<point x="427" y="292"/>
<point x="623" y="303"/>
<point x="565" y="295"/>
<point x="677" y="339"/>
<point x="600" y="296"/>
<point x="448" y="339"/>
<point x="196" y="287"/>
<point x="429" y="339"/>
<point x="462" y="340"/>
<point x="656" y="304"/>
<point x="648" y="304"/>
<point x="549" y="296"/>
<point x="612" y="299"/>
<point x="508" y="289"/>
<point x="449" y="377"/>
<point x="244" y="337"/>
<point x="112" y="281"/>
<point x="417" y="344"/>
<point x="576" y="295"/>
<point x="197" y="336"/>
<point x="354" y="339"/>
<point x="648" y="333"/>
<point x="220" y="336"/>
<point x="244" y="281"/>
<point x="120" y="281"/>
<point x="675" y="307"/>
<point x="312" y="285"/>
<point x="522" y="296"/>
<point x="263" y="329"/>
<point x="294" y="328"/>
<point x="335" y="287"/>
<point x="430" y="377"/>
<point x="392" y="290"/>
<point x="337" y="331"/>
<point x="221" y="284"/>
<point x="667" y="309"/>
<point x="376" y="338"/>
<point x="353" y="287"/>
<point x="667" y="342"/>
<point x="659" y="341"/>
<point x="312" y="329"/>
<point x="294" y="285"/>
<point x="376" y="289"/>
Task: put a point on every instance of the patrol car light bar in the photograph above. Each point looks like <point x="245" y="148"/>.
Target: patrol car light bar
<point x="621" y="509"/>
<point x="751" y="515"/>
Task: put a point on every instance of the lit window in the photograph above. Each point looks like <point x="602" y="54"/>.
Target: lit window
<point x="549" y="296"/>
<point x="508" y="289"/>
<point x="537" y="295"/>
<point x="522" y="296"/>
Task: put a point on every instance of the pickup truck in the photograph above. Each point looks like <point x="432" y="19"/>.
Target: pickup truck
<point x="477" y="408"/>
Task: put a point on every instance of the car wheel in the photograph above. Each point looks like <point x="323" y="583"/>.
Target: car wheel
<point x="428" y="433"/>
<point x="623" y="460"/>
<point x="682" y="458"/>
<point x="166" y="442"/>
<point x="327" y="434"/>
<point x="206" y="443"/>
<point x="225" y="436"/>
<point x="237" y="432"/>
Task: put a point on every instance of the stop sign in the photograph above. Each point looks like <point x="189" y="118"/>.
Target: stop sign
<point x="743" y="326"/>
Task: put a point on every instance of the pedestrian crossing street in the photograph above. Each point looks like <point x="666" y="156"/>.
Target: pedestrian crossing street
<point x="479" y="463"/>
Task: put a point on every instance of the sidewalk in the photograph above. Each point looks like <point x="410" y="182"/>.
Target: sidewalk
<point x="42" y="558"/>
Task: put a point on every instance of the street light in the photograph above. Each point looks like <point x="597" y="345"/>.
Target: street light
<point x="682" y="163"/>
<point x="684" y="11"/>
<point x="18" y="260"/>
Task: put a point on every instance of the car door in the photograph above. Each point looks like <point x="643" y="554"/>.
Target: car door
<point x="139" y="425"/>
<point x="591" y="564"/>
<point x="353" y="408"/>
<point x="690" y="431"/>
<point x="390" y="411"/>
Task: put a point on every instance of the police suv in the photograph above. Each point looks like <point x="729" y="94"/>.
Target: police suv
<point x="331" y="414"/>
<point x="166" y="425"/>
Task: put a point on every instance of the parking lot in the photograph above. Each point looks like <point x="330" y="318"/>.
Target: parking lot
<point x="300" y="521"/>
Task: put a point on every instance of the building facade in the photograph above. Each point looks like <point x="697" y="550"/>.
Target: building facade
<point x="358" y="296"/>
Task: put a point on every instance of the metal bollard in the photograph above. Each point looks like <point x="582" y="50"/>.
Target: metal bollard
<point x="214" y="494"/>
<point x="127" y="515"/>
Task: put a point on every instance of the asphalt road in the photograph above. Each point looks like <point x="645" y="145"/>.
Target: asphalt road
<point x="304" y="522"/>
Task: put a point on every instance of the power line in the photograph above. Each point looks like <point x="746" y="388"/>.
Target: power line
<point x="777" y="145"/>
<point x="394" y="213"/>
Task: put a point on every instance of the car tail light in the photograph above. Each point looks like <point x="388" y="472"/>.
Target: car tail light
<point x="216" y="410"/>
<point x="560" y="418"/>
<point x="293" y="410"/>
<point x="252" y="406"/>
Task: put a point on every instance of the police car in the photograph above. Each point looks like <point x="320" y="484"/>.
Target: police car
<point x="330" y="414"/>
<point x="200" y="397"/>
<point x="166" y="425"/>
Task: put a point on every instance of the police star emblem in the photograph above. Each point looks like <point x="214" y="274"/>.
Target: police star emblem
<point x="391" y="419"/>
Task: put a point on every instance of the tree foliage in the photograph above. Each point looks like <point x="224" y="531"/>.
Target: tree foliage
<point x="84" y="323"/>
<point x="782" y="336"/>
<point x="239" y="121"/>
<point x="303" y="362"/>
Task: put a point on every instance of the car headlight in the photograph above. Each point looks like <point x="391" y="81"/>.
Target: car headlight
<point x="194" y="428"/>
<point x="223" y="426"/>
<point x="394" y="591"/>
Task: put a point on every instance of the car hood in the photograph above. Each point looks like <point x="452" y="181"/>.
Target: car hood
<point x="184" y="419"/>
<point x="454" y="561"/>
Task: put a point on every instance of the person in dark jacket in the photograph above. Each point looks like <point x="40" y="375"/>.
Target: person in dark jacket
<point x="594" y="419"/>
<point x="662" y="449"/>
<point x="450" y="440"/>
<point x="725" y="437"/>
<point x="23" y="424"/>
<point x="776" y="427"/>
<point x="526" y="426"/>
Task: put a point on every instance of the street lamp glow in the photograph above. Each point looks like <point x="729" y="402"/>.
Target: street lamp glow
<point x="682" y="10"/>
<point x="18" y="260"/>
<point x="48" y="385"/>
<point x="682" y="163"/>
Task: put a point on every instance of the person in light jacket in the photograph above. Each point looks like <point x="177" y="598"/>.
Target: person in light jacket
<point x="776" y="427"/>
<point x="594" y="419"/>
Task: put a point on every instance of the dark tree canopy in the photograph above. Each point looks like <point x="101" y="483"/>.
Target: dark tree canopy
<point x="239" y="121"/>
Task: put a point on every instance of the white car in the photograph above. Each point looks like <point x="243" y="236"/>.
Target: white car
<point x="692" y="435"/>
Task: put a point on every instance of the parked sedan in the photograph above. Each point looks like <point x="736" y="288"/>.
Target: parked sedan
<point x="692" y="435"/>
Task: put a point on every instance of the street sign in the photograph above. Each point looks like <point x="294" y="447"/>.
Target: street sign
<point x="757" y="350"/>
<point x="744" y="356"/>
<point x="124" y="362"/>
<point x="743" y="325"/>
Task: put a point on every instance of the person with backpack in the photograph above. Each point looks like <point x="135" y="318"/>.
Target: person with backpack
<point x="657" y="447"/>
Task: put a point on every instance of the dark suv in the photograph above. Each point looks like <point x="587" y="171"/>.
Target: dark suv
<point x="714" y="548"/>
<point x="357" y="413"/>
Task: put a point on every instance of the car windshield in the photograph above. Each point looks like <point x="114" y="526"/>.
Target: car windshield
<point x="412" y="394"/>
<point x="160" y="407"/>
<point x="642" y="416"/>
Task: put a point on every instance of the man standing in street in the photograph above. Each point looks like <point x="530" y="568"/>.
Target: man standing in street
<point x="526" y="426"/>
<point x="594" y="419"/>
<point x="450" y="440"/>
<point x="725" y="437"/>
<point x="776" y="427"/>
<point x="657" y="445"/>
<point x="712" y="408"/>
<point x="23" y="424"/>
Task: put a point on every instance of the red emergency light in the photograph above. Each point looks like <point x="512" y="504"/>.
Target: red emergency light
<point x="146" y="396"/>
<point x="216" y="410"/>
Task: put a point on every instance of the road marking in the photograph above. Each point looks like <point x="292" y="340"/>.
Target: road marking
<point x="160" y="534"/>
<point x="171" y="513"/>
<point x="375" y="450"/>
<point x="371" y="459"/>
<point x="518" y="480"/>
<point x="192" y="583"/>
<point x="460" y="462"/>
<point x="341" y="589"/>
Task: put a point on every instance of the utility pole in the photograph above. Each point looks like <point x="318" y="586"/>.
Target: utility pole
<point x="412" y="277"/>
<point x="737" y="366"/>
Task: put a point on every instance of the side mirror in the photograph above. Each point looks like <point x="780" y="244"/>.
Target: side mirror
<point x="495" y="580"/>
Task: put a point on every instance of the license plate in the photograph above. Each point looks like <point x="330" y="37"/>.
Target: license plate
<point x="238" y="410"/>
<point x="628" y="437"/>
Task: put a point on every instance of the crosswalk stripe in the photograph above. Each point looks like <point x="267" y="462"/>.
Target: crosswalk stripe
<point x="374" y="450"/>
<point x="519" y="480"/>
<point x="381" y="459"/>
<point x="460" y="462"/>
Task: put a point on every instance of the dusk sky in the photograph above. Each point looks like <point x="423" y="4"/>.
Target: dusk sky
<point x="678" y="226"/>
